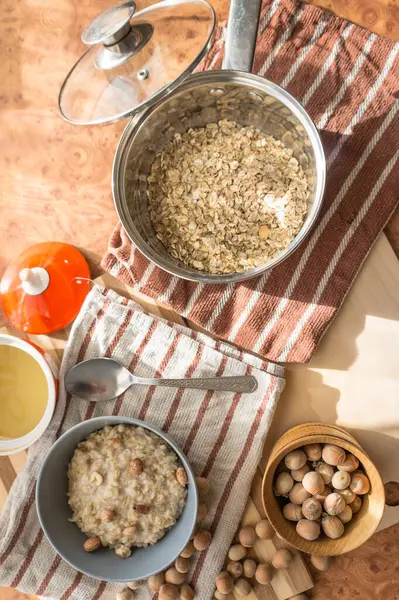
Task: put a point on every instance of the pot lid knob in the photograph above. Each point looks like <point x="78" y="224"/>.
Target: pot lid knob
<point x="110" y="26"/>
<point x="34" y="281"/>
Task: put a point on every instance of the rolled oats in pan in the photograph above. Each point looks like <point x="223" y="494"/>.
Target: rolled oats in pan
<point x="226" y="198"/>
<point x="125" y="488"/>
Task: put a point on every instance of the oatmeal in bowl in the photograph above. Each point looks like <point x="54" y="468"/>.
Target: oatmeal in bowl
<point x="127" y="488"/>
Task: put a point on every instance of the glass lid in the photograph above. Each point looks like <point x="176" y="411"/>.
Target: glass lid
<point x="135" y="58"/>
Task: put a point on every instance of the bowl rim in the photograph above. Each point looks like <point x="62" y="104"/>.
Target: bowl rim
<point x="116" y="420"/>
<point x="270" y="499"/>
<point x="9" y="446"/>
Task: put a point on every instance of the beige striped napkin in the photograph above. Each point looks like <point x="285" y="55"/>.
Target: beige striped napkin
<point x="221" y="433"/>
<point x="347" y="79"/>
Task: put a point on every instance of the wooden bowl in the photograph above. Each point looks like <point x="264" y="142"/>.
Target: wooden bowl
<point x="363" y="524"/>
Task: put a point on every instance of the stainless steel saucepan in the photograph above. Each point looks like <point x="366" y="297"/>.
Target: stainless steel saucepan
<point x="133" y="70"/>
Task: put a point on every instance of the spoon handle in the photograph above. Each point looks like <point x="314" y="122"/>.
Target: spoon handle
<point x="241" y="383"/>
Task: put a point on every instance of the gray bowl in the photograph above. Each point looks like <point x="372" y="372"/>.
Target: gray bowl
<point x="67" y="539"/>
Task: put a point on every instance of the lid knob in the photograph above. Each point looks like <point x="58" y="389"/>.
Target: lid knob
<point x="35" y="281"/>
<point x="110" y="26"/>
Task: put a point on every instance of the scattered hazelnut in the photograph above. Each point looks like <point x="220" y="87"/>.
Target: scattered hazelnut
<point x="264" y="573"/>
<point x="308" y="530"/>
<point x="142" y="509"/>
<point x="129" y="531"/>
<point x="292" y="512"/>
<point x="313" y="483"/>
<point x="264" y="530"/>
<point x="356" y="505"/>
<point x="188" y="550"/>
<point x="125" y="594"/>
<point x="168" y="591"/>
<point x="172" y="575"/>
<point x="202" y="512"/>
<point x="312" y="451"/>
<point x="237" y="552"/>
<point x="312" y="509"/>
<point x="283" y="484"/>
<point x="391" y="493"/>
<point x="224" y="583"/>
<point x="332" y="527"/>
<point x="298" y="494"/>
<point x="295" y="459"/>
<point x="106" y="515"/>
<point x="323" y="495"/>
<point x="186" y="592"/>
<point x="350" y="464"/>
<point x="333" y="455"/>
<point x="202" y="540"/>
<point x="182" y="565"/>
<point x="334" y="504"/>
<point x="92" y="544"/>
<point x="202" y="485"/>
<point x="135" y="467"/>
<point x="234" y="568"/>
<point x="298" y="474"/>
<point x="326" y="471"/>
<point x="247" y="537"/>
<point x="249" y="567"/>
<point x="321" y="563"/>
<point x="341" y="480"/>
<point x="156" y="581"/>
<point x="242" y="587"/>
<point x="347" y="495"/>
<point x="359" y="484"/>
<point x="346" y="515"/>
<point x="181" y="476"/>
<point x="135" y="585"/>
<point x="282" y="559"/>
<point x="220" y="596"/>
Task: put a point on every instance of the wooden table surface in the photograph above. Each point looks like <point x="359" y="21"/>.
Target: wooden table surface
<point x="55" y="184"/>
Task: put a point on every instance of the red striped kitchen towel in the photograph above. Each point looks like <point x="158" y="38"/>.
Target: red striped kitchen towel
<point x="221" y="433"/>
<point x="347" y="79"/>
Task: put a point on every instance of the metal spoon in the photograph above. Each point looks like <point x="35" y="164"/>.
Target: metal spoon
<point x="102" y="379"/>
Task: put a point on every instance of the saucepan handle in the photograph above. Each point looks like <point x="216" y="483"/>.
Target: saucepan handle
<point x="242" y="28"/>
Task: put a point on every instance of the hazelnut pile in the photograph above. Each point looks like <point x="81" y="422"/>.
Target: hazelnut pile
<point x="242" y="570"/>
<point x="171" y="585"/>
<point x="324" y="487"/>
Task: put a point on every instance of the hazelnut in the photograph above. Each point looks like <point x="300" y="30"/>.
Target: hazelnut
<point x="202" y="486"/>
<point x="202" y="540"/>
<point x="156" y="581"/>
<point x="298" y="474"/>
<point x="182" y="565"/>
<point x="247" y="537"/>
<point x="347" y="495"/>
<point x="332" y="526"/>
<point x="125" y="594"/>
<point x="282" y="559"/>
<point x="313" y="483"/>
<point x="188" y="550"/>
<point x="168" y="591"/>
<point x="242" y="587"/>
<point x="106" y="515"/>
<point x="359" y="484"/>
<point x="135" y="467"/>
<point x="312" y="509"/>
<point x="350" y="464"/>
<point x="341" y="480"/>
<point x="346" y="515"/>
<point x="237" y="552"/>
<point x="135" y="585"/>
<point x="115" y="443"/>
<point x="312" y="451"/>
<point x="308" y="530"/>
<point x="181" y="476"/>
<point x="334" y="504"/>
<point x="129" y="531"/>
<point x="326" y="471"/>
<point x="202" y="512"/>
<point x="264" y="573"/>
<point x="298" y="494"/>
<point x="234" y="568"/>
<point x="172" y="575"/>
<point x="224" y="583"/>
<point x="123" y="551"/>
<point x="321" y="563"/>
<point x="333" y="455"/>
<point x="292" y="512"/>
<point x="323" y="495"/>
<point x="220" y="596"/>
<point x="186" y="592"/>
<point x="92" y="544"/>
<point x="356" y="505"/>
<point x="264" y="530"/>
<point x="295" y="459"/>
<point x="142" y="509"/>
<point x="283" y="484"/>
<point x="249" y="567"/>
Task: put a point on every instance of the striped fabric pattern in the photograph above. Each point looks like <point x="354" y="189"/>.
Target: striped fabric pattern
<point x="221" y="433"/>
<point x="347" y="79"/>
